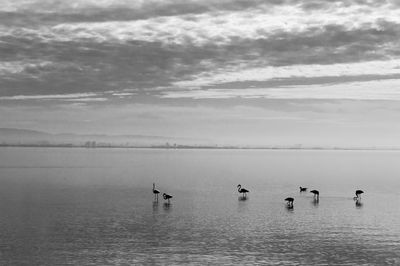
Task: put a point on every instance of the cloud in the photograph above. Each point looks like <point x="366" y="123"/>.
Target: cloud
<point x="371" y="90"/>
<point x="218" y="26"/>
<point x="67" y="47"/>
<point x="54" y="11"/>
<point x="75" y="96"/>
<point x="23" y="66"/>
<point x="361" y="69"/>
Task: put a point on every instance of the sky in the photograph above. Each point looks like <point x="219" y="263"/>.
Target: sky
<point x="223" y="72"/>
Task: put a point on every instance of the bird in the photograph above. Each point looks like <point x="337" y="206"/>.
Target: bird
<point x="289" y="202"/>
<point x="155" y="192"/>
<point x="303" y="189"/>
<point x="316" y="194"/>
<point x="242" y="190"/>
<point x="167" y="197"/>
<point x="358" y="194"/>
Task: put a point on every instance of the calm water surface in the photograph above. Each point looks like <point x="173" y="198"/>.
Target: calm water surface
<point x="95" y="207"/>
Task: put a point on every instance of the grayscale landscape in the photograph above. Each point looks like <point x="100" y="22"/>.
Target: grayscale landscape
<point x="215" y="132"/>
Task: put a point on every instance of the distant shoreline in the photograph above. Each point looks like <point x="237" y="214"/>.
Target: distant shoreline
<point x="189" y="147"/>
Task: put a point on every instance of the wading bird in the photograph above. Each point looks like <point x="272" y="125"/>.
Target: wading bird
<point x="358" y="194"/>
<point x="167" y="197"/>
<point x="316" y="194"/>
<point x="242" y="190"/>
<point x="303" y="189"/>
<point x="289" y="202"/>
<point x="155" y="192"/>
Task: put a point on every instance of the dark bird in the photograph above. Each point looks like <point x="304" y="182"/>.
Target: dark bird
<point x="289" y="202"/>
<point x="167" y="197"/>
<point x="242" y="190"/>
<point x="358" y="194"/>
<point x="155" y="192"/>
<point x="303" y="189"/>
<point x="316" y="194"/>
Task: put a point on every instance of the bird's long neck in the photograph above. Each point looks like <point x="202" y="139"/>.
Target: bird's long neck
<point x="239" y="187"/>
<point x="154" y="186"/>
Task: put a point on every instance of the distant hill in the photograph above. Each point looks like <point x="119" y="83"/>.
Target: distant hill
<point x="22" y="136"/>
<point x="15" y="132"/>
<point x="15" y="136"/>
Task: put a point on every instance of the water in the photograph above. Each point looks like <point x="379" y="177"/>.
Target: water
<point x="95" y="207"/>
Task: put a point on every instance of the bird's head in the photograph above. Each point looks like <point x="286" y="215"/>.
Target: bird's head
<point x="239" y="185"/>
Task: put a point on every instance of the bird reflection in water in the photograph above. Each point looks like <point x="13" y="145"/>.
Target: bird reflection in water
<point x="243" y="205"/>
<point x="358" y="204"/>
<point x="315" y="202"/>
<point x="289" y="208"/>
<point x="155" y="205"/>
<point x="167" y="206"/>
<point x="242" y="198"/>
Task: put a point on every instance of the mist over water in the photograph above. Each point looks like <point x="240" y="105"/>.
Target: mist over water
<point x="95" y="206"/>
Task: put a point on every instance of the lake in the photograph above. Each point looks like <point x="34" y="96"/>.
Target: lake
<point x="73" y="206"/>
